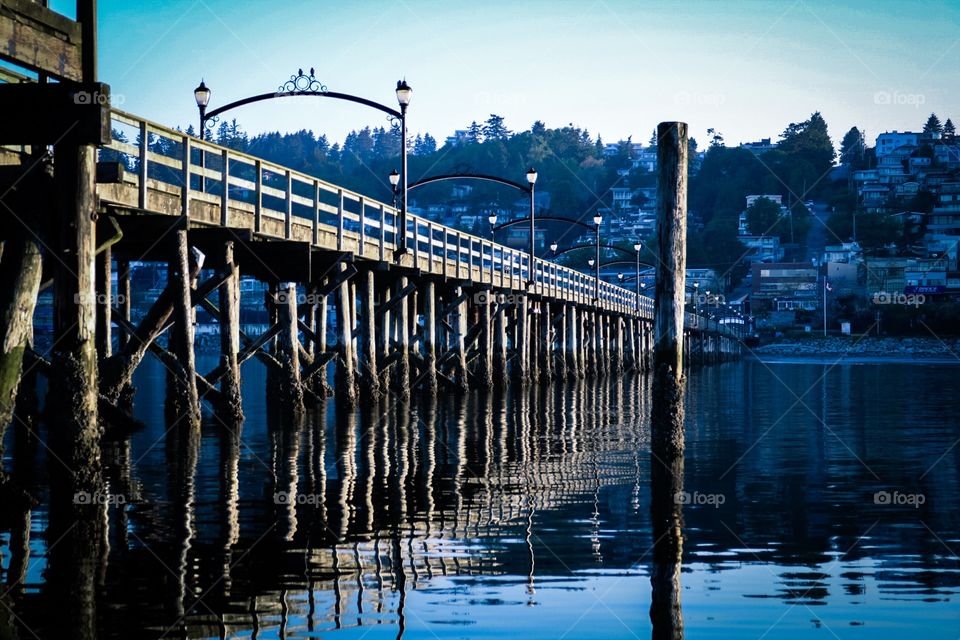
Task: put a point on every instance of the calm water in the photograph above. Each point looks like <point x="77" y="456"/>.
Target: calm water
<point x="821" y="502"/>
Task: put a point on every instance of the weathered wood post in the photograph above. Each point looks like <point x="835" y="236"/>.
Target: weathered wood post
<point x="21" y="271"/>
<point x="572" y="346"/>
<point x="123" y="298"/>
<point x="368" y="335"/>
<point x="462" y="374"/>
<point x="231" y="407"/>
<point x="291" y="389"/>
<point x="522" y="342"/>
<point x="183" y="333"/>
<point x="384" y="339"/>
<point x="104" y="279"/>
<point x="560" y="342"/>
<point x="618" y="350"/>
<point x="430" y="337"/>
<point x="485" y="341"/>
<point x="668" y="329"/>
<point x="545" y="350"/>
<point x="322" y="384"/>
<point x="667" y="434"/>
<point x="401" y="327"/>
<point x="345" y="384"/>
<point x="499" y="342"/>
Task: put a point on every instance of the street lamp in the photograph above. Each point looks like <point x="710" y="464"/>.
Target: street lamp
<point x="404" y="93"/>
<point x="532" y="180"/>
<point x="394" y="181"/>
<point x="303" y="84"/>
<point x="202" y="95"/>
<point x="492" y="219"/>
<point x="597" y="221"/>
<point x="636" y="247"/>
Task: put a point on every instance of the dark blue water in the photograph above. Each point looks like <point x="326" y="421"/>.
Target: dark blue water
<point x="820" y="501"/>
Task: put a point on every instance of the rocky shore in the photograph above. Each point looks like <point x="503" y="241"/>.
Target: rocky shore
<point x="860" y="347"/>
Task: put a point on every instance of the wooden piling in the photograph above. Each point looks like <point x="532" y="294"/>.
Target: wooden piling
<point x="561" y="344"/>
<point x="231" y="407"/>
<point x="345" y="385"/>
<point x="104" y="278"/>
<point x="183" y="338"/>
<point x="667" y="431"/>
<point x="429" y="376"/>
<point x="321" y="383"/>
<point x="370" y="376"/>
<point x="521" y="370"/>
<point x="572" y="344"/>
<point x="123" y="299"/>
<point x="21" y="270"/>
<point x="401" y="328"/>
<point x="485" y="341"/>
<point x="459" y="342"/>
<point x="384" y="339"/>
<point x="291" y="389"/>
<point x="499" y="344"/>
<point x="545" y="351"/>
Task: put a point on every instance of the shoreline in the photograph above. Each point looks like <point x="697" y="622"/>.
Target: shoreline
<point x="861" y="349"/>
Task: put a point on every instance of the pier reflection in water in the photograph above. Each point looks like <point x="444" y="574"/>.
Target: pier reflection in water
<point x="534" y="513"/>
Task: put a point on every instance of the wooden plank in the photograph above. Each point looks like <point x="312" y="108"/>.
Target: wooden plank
<point x="37" y="38"/>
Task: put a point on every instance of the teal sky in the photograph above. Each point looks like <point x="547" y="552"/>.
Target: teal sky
<point x="746" y="68"/>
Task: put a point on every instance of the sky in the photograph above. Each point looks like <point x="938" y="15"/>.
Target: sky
<point x="746" y="68"/>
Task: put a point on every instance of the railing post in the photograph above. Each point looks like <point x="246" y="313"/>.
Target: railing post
<point x="258" y="197"/>
<point x="185" y="189"/>
<point x="339" y="219"/>
<point x="144" y="165"/>
<point x="225" y="186"/>
<point x="288" y="207"/>
<point x="383" y="233"/>
<point x="316" y="212"/>
<point x="363" y="226"/>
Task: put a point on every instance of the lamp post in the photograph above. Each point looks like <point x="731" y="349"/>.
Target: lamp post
<point x="302" y="84"/>
<point x="202" y="95"/>
<point x="597" y="221"/>
<point x="637" y="246"/>
<point x="532" y="180"/>
<point x="394" y="181"/>
<point x="492" y="219"/>
<point x="404" y="93"/>
<point x="696" y="302"/>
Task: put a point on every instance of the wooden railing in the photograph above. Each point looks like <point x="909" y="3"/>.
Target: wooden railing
<point x="291" y="205"/>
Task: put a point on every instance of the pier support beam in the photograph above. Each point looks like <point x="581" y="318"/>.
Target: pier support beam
<point x="572" y="345"/>
<point x="370" y="375"/>
<point x="459" y="341"/>
<point x="485" y="343"/>
<point x="182" y="337"/>
<point x="345" y="384"/>
<point x="291" y="389"/>
<point x="401" y="333"/>
<point x="384" y="339"/>
<point x="500" y="345"/>
<point x="561" y="344"/>
<point x="430" y="337"/>
<point x="521" y="345"/>
<point x="21" y="271"/>
<point x="231" y="408"/>
<point x="545" y="350"/>
<point x="104" y="303"/>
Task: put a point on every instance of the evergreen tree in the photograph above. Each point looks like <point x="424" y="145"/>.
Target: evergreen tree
<point x="474" y="133"/>
<point x="852" y="148"/>
<point x="933" y="124"/>
<point x="494" y="128"/>
<point x="763" y="216"/>
<point x="949" y="131"/>
<point x="809" y="141"/>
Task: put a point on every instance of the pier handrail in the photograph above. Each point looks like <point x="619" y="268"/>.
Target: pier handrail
<point x="287" y="204"/>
